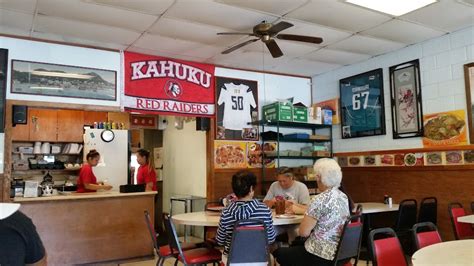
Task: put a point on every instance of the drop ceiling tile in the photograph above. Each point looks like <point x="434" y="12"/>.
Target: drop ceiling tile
<point x="216" y="14"/>
<point x="337" y="57"/>
<point x="289" y="48"/>
<point x="140" y="50"/>
<point x="21" y="21"/>
<point x="152" y="7"/>
<point x="164" y="44"/>
<point x="403" y="31"/>
<point x="249" y="60"/>
<point x="103" y="15"/>
<point x="69" y="39"/>
<point x="183" y="29"/>
<point x="305" y="67"/>
<point x="278" y="7"/>
<point x="445" y="15"/>
<point x="339" y="15"/>
<point x="83" y="30"/>
<point x="366" y="45"/>
<point x="26" y="6"/>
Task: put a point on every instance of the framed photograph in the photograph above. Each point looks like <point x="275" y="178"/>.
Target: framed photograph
<point x="237" y="106"/>
<point x="405" y="93"/>
<point x="469" y="81"/>
<point x="3" y="86"/>
<point x="63" y="81"/>
<point x="362" y="105"/>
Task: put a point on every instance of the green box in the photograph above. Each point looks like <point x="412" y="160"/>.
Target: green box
<point x="300" y="114"/>
<point x="279" y="111"/>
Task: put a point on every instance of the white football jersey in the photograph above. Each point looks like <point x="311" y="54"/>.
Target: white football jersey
<point x="237" y="100"/>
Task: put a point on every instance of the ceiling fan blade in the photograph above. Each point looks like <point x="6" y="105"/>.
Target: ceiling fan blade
<point x="273" y="48"/>
<point x="235" y="33"/>
<point x="300" y="38"/>
<point x="233" y="48"/>
<point x="279" y="27"/>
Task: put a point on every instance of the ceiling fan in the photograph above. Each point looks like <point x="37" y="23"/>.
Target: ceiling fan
<point x="266" y="32"/>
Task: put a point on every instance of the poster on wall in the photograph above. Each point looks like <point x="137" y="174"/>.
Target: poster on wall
<point x="469" y="83"/>
<point x="229" y="154"/>
<point x="362" y="105"/>
<point x="159" y="85"/>
<point x="445" y="129"/>
<point x="237" y="106"/>
<point x="405" y="95"/>
<point x="3" y="86"/>
<point x="256" y="151"/>
<point x="333" y="105"/>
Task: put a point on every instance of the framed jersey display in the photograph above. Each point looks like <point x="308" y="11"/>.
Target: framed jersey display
<point x="362" y="105"/>
<point x="237" y="106"/>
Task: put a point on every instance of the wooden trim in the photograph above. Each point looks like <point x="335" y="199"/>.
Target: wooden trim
<point x="53" y="105"/>
<point x="210" y="134"/>
<point x="431" y="149"/>
<point x="410" y="168"/>
<point x="467" y="85"/>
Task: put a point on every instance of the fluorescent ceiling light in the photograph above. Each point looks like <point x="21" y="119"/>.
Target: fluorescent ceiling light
<point x="392" y="7"/>
<point x="47" y="88"/>
<point x="60" y="74"/>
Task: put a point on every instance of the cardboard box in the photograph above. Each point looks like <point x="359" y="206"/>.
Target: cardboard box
<point x="278" y="111"/>
<point x="322" y="153"/>
<point x="319" y="137"/>
<point x="300" y="114"/>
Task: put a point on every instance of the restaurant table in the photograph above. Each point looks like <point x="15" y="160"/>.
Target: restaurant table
<point x="469" y="219"/>
<point x="206" y="219"/>
<point x="376" y="207"/>
<point x="188" y="206"/>
<point x="459" y="252"/>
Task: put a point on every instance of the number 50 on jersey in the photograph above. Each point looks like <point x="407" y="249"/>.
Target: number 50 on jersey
<point x="362" y="105"/>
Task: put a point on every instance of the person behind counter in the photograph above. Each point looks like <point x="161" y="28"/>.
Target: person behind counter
<point x="87" y="182"/>
<point x="146" y="173"/>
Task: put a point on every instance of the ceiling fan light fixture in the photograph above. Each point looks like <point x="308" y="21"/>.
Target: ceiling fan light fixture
<point x="392" y="7"/>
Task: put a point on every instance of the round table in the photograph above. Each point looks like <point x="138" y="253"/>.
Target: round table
<point x="466" y="219"/>
<point x="375" y="207"/>
<point x="206" y="219"/>
<point x="459" y="252"/>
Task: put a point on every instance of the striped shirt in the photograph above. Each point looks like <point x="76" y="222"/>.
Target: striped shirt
<point x="241" y="210"/>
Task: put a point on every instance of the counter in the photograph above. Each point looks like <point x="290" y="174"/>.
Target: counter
<point x="92" y="227"/>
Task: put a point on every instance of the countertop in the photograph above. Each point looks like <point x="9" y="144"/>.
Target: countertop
<point x="80" y="196"/>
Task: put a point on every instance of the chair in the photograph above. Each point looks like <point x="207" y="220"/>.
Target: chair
<point x="163" y="252"/>
<point x="425" y="234"/>
<point x="406" y="215"/>
<point x="461" y="230"/>
<point x="249" y="243"/>
<point x="194" y="256"/>
<point x="386" y="251"/>
<point x="428" y="210"/>
<point x="472" y="207"/>
<point x="349" y="244"/>
<point x="358" y="213"/>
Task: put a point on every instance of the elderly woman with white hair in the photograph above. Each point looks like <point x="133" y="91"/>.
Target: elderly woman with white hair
<point x="323" y="220"/>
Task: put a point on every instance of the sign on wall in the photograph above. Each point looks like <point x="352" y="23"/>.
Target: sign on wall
<point x="445" y="129"/>
<point x="159" y="85"/>
<point x="362" y="105"/>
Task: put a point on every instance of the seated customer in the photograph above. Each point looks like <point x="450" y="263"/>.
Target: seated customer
<point x="20" y="244"/>
<point x="323" y="221"/>
<point x="245" y="207"/>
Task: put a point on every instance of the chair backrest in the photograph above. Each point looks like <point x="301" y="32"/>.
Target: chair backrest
<point x="386" y="251"/>
<point x="406" y="214"/>
<point x="425" y="234"/>
<point x="349" y="243"/>
<point x="151" y="230"/>
<point x="472" y="207"/>
<point x="428" y="210"/>
<point x="358" y="213"/>
<point x="461" y="230"/>
<point x="173" y="240"/>
<point x="249" y="243"/>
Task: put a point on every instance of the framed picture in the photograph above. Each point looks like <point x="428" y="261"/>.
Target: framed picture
<point x="362" y="105"/>
<point x="63" y="81"/>
<point x="405" y="93"/>
<point x="469" y="81"/>
<point x="237" y="106"/>
<point x="3" y="86"/>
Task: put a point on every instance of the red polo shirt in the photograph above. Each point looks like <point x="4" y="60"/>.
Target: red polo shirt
<point x="146" y="175"/>
<point x="86" y="176"/>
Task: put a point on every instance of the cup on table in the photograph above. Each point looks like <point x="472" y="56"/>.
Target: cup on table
<point x="280" y="206"/>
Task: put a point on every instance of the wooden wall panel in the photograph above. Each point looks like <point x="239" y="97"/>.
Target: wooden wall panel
<point x="447" y="184"/>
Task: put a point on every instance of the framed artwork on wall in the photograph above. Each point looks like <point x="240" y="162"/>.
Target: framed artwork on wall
<point x="362" y="105"/>
<point x="64" y="81"/>
<point x="405" y="93"/>
<point x="469" y="83"/>
<point x="3" y="86"/>
<point x="237" y="106"/>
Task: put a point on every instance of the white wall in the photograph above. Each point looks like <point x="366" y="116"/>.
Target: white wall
<point x="65" y="55"/>
<point x="442" y="85"/>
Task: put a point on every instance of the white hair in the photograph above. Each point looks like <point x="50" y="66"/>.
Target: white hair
<point x="329" y="171"/>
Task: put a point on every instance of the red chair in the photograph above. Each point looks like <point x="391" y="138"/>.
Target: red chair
<point x="349" y="244"/>
<point x="197" y="256"/>
<point x="163" y="252"/>
<point x="386" y="251"/>
<point x="461" y="230"/>
<point x="249" y="243"/>
<point x="425" y="234"/>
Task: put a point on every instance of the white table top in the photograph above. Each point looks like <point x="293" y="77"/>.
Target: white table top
<point x="204" y="219"/>
<point x="375" y="207"/>
<point x="459" y="252"/>
<point x="466" y="219"/>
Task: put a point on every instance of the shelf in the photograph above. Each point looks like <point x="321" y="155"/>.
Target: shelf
<point x="15" y="152"/>
<point x="296" y="140"/>
<point x="289" y="124"/>
<point x="43" y="171"/>
<point x="296" y="157"/>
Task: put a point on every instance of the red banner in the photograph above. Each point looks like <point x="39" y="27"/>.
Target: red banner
<point x="159" y="85"/>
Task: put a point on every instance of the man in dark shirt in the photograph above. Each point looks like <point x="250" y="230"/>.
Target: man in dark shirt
<point x="20" y="243"/>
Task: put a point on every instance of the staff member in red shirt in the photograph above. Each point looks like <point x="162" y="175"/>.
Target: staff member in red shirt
<point x="87" y="182"/>
<point x="146" y="173"/>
